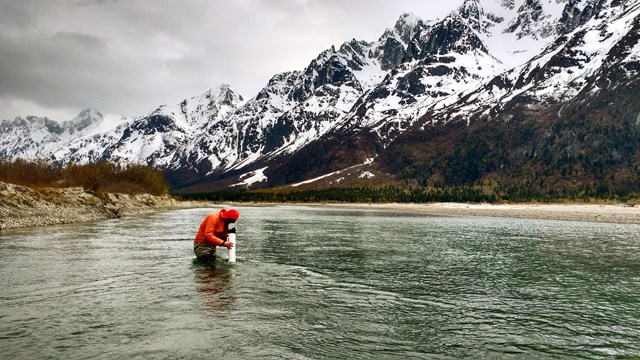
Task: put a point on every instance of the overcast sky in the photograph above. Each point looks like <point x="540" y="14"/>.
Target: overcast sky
<point x="127" y="57"/>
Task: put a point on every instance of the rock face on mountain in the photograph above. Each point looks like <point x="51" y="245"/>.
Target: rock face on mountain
<point x="516" y="91"/>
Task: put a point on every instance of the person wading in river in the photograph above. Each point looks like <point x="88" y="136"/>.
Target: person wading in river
<point x="214" y="231"/>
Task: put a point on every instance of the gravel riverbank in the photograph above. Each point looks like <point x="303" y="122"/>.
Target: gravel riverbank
<point x="611" y="213"/>
<point x="26" y="207"/>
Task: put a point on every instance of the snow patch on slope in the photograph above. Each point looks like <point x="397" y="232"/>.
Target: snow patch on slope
<point x="252" y="178"/>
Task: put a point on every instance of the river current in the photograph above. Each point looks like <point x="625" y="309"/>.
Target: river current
<point x="322" y="283"/>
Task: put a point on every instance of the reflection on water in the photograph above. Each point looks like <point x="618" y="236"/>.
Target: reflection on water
<point x="216" y="286"/>
<point x="313" y="282"/>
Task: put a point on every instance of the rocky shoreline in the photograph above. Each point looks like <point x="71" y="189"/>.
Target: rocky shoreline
<point x="22" y="207"/>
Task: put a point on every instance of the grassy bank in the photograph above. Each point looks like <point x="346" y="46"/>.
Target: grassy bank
<point x="102" y="177"/>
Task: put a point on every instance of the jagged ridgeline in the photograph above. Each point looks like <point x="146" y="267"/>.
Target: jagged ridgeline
<point x="501" y="96"/>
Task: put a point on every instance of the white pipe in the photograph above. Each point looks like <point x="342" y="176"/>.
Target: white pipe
<point x="232" y="251"/>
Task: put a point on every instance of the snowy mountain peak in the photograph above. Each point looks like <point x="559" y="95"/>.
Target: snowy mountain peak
<point x="89" y="113"/>
<point x="530" y="21"/>
<point x="407" y="26"/>
<point x="225" y="95"/>
<point x="84" y="119"/>
<point x="404" y="30"/>
<point x="472" y="11"/>
<point x="578" y="12"/>
<point x="197" y="111"/>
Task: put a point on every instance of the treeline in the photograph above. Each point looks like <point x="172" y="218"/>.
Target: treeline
<point x="406" y="194"/>
<point x="101" y="177"/>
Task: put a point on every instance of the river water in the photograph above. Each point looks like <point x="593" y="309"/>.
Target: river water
<point x="319" y="282"/>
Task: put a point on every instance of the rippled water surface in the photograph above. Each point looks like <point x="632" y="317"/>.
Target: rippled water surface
<point x="314" y="282"/>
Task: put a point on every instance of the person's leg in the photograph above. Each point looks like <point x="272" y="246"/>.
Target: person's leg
<point x="204" y="252"/>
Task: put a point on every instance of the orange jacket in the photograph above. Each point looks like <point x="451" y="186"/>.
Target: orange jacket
<point x="213" y="230"/>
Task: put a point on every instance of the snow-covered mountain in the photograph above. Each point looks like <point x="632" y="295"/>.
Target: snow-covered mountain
<point x="36" y="138"/>
<point x="356" y="107"/>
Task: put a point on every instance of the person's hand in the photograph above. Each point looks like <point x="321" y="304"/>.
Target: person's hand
<point x="228" y="245"/>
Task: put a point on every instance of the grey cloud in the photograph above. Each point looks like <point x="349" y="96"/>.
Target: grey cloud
<point x="72" y="70"/>
<point x="83" y="41"/>
<point x="131" y="56"/>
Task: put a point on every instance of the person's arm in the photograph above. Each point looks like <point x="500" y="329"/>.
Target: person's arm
<point x="226" y="243"/>
<point x="209" y="233"/>
<point x="226" y="232"/>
